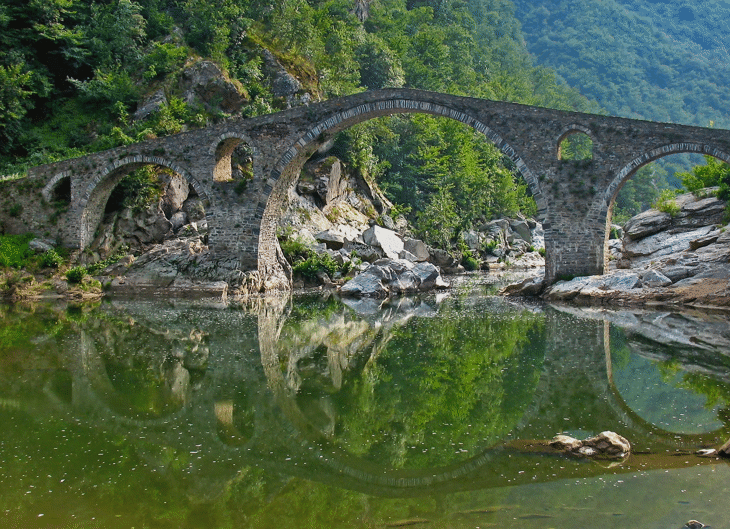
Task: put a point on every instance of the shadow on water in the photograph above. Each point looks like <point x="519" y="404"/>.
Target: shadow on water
<point x="321" y="412"/>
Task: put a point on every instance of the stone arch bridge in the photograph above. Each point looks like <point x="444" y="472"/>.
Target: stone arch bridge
<point x="574" y="198"/>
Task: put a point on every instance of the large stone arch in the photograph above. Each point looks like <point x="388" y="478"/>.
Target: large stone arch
<point x="288" y="165"/>
<point x="602" y="207"/>
<point x="609" y="195"/>
<point x="94" y="197"/>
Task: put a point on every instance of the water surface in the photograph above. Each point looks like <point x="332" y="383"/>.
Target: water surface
<point x="314" y="412"/>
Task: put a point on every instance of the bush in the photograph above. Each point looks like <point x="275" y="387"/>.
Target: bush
<point x="315" y="264"/>
<point x="470" y="263"/>
<point x="666" y="203"/>
<point x="76" y="274"/>
<point x="51" y="259"/>
<point x="14" y="250"/>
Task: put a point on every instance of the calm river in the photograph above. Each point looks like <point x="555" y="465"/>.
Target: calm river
<point x="314" y="412"/>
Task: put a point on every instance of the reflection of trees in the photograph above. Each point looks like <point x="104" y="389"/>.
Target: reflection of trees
<point x="409" y="391"/>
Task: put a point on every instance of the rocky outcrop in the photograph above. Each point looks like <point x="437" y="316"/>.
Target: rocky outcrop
<point x="387" y="277"/>
<point x="661" y="259"/>
<point x="204" y="82"/>
<point x="606" y="445"/>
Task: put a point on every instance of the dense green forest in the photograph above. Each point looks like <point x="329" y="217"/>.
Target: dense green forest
<point x="72" y="74"/>
<point x="663" y="61"/>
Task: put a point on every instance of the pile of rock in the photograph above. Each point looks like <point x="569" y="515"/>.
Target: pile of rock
<point x="178" y="213"/>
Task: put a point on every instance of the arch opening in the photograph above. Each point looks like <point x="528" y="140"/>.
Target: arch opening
<point x="575" y="145"/>
<point x="642" y="172"/>
<point x="137" y="205"/>
<point x="233" y="161"/>
<point x="328" y="134"/>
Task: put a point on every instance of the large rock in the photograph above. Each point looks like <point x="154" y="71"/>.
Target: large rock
<point x="175" y="194"/>
<point x="522" y="229"/>
<point x="660" y="244"/>
<point x="608" y="445"/>
<point x="442" y="258"/>
<point x="388" y="240"/>
<point x="647" y="223"/>
<point x="283" y="83"/>
<point x="332" y="240"/>
<point x="418" y="248"/>
<point x="393" y="276"/>
<point x="206" y="82"/>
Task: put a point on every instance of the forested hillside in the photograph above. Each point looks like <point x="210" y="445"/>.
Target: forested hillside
<point x="79" y="76"/>
<point x="75" y="72"/>
<point x="648" y="59"/>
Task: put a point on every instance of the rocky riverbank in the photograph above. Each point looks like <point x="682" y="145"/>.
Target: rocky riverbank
<point x="680" y="257"/>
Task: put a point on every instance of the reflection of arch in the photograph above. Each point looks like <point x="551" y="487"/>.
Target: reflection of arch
<point x="286" y="168"/>
<point x="569" y="131"/>
<point x="222" y="151"/>
<point x="96" y="194"/>
<point x="51" y="189"/>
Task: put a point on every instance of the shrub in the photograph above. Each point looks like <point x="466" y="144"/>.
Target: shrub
<point x="315" y="264"/>
<point x="666" y="203"/>
<point x="76" y="274"/>
<point x="14" y="250"/>
<point x="51" y="259"/>
<point x="470" y="263"/>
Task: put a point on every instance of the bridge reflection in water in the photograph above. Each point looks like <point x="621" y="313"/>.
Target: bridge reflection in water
<point x="411" y="399"/>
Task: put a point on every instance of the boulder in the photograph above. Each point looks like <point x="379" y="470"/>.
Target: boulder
<point x="150" y="105"/>
<point x="724" y="451"/>
<point x="332" y="240"/>
<point x="194" y="209"/>
<point x="417" y="248"/>
<point x="206" y="82"/>
<point x="390" y="242"/>
<point x="530" y="286"/>
<point x="522" y="229"/>
<point x="441" y="258"/>
<point x="178" y="220"/>
<point x="283" y="84"/>
<point x="40" y="246"/>
<point x="608" y="445"/>
<point x="175" y="194"/>
<point x="660" y="244"/>
<point x="393" y="276"/>
<point x="654" y="278"/>
<point x="647" y="223"/>
<point x="472" y="240"/>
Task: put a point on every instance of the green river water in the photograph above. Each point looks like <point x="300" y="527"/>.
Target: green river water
<point x="313" y="412"/>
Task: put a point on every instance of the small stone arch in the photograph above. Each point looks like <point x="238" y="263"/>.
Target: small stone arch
<point x="93" y="200"/>
<point x="222" y="152"/>
<point x="572" y="129"/>
<point x="275" y="186"/>
<point x="55" y="189"/>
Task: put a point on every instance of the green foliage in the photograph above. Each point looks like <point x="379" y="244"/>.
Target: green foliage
<point x="137" y="190"/>
<point x="638" y="58"/>
<point x="76" y="274"/>
<point x="713" y="173"/>
<point x="51" y="259"/>
<point x="163" y="59"/>
<point x="14" y="250"/>
<point x="667" y="203"/>
<point x="578" y="146"/>
<point x="107" y="88"/>
<point x="315" y="264"/>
